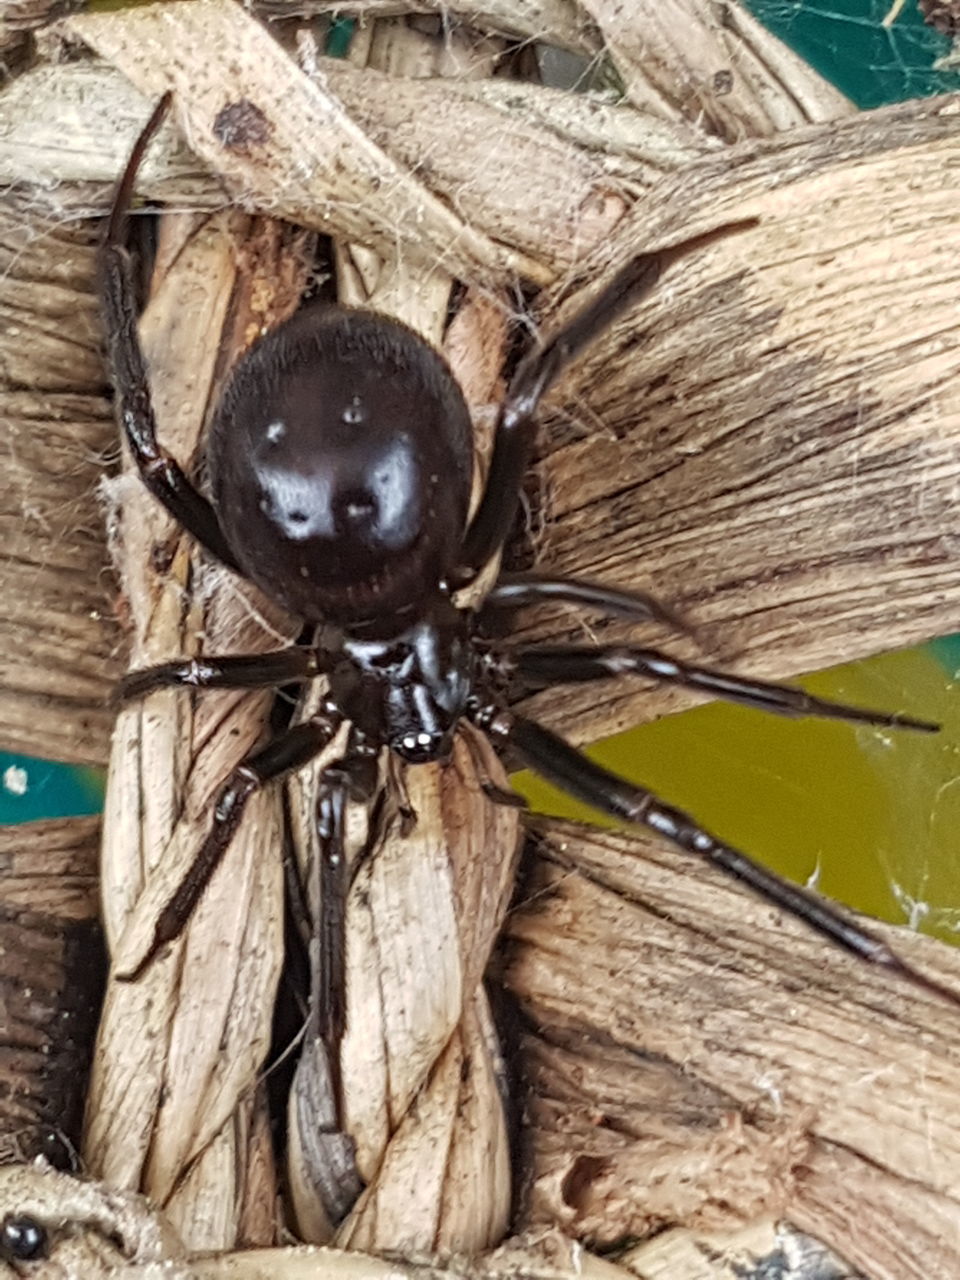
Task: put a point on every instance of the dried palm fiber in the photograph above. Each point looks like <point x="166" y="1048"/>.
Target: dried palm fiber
<point x="101" y="1232"/>
<point x="641" y="512"/>
<point x="51" y="984"/>
<point x="57" y="637"/>
<point x="686" y="1046"/>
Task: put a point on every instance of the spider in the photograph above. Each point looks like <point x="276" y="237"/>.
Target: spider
<point x="340" y="462"/>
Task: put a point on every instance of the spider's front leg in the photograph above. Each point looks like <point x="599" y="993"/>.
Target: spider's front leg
<point x="234" y="671"/>
<point x="318" y="1091"/>
<point x="291" y="751"/>
<point x="161" y="473"/>
<point x="353" y="777"/>
<point x="516" y="590"/>
<point x="538" y="370"/>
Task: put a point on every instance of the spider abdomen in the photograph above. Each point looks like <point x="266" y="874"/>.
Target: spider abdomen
<point x="340" y="464"/>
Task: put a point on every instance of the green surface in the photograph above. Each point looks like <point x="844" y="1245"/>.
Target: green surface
<point x="869" y="814"/>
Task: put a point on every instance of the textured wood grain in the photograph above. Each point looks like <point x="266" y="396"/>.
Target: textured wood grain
<point x="696" y="1057"/>
<point x="296" y="143"/>
<point x="667" y="466"/>
<point x="602" y="150"/>
<point x="57" y="633"/>
<point x="51" y="980"/>
<point x="770" y="443"/>
<point x="714" y="65"/>
<point x="173" y="1105"/>
<point x="420" y="1063"/>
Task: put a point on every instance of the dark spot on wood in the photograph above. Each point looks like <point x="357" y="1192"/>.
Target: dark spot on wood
<point x="241" y="125"/>
<point x="723" y="83"/>
<point x="161" y="556"/>
<point x="576" y="1185"/>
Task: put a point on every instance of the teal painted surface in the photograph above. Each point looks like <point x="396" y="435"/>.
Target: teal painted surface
<point x="846" y="41"/>
<point x="32" y="789"/>
<point x="946" y="651"/>
<point x="339" y="37"/>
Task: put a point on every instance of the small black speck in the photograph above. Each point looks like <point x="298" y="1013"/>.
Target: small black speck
<point x="161" y="556"/>
<point x="22" y="1238"/>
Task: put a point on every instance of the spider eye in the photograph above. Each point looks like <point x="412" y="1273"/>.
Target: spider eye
<point x="420" y="747"/>
<point x="22" y="1238"/>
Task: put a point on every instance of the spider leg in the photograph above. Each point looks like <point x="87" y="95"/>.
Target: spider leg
<point x="329" y="1152"/>
<point x="590" y="783"/>
<point x="514" y="590"/>
<point x="536" y="373"/>
<point x="560" y="663"/>
<point x="161" y="473"/>
<point x="353" y="777"/>
<point x="242" y="671"/>
<point x="292" y="750"/>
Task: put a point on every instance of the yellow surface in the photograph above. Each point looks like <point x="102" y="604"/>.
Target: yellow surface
<point x="872" y="814"/>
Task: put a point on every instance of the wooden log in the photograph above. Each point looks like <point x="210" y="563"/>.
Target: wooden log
<point x="58" y="634"/>
<point x="696" y="1057"/>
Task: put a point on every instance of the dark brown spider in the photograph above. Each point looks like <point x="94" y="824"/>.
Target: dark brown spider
<point x="340" y="461"/>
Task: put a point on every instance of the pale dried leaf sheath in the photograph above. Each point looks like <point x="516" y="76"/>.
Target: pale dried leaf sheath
<point x="422" y="1098"/>
<point x="758" y="1251"/>
<point x="57" y="637"/>
<point x="757" y="1254"/>
<point x="419" y="1062"/>
<point x="701" y="1058"/>
<point x="512" y="191"/>
<point x="280" y="139"/>
<point x="557" y="22"/>
<point x="180" y="1049"/>
<point x="772" y="441"/>
<point x="714" y="65"/>
<point x="51" y="139"/>
<point x="102" y="1234"/>
<point x="675" y="211"/>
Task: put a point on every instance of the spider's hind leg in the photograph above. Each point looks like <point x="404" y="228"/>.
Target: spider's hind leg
<point x="593" y="785"/>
